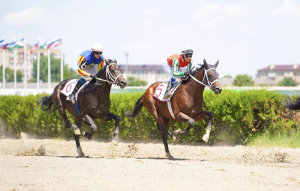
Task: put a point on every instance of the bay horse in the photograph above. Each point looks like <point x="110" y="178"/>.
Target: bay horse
<point x="93" y="102"/>
<point x="187" y="103"/>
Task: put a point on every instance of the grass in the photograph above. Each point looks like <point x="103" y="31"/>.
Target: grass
<point x="287" y="140"/>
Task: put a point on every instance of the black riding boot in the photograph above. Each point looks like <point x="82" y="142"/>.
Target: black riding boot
<point x="170" y="85"/>
<point x="72" y="95"/>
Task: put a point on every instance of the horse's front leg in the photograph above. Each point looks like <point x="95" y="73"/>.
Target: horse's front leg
<point x="202" y="115"/>
<point x="109" y="117"/>
<point x="89" y="121"/>
<point x="181" y="117"/>
<point x="78" y="124"/>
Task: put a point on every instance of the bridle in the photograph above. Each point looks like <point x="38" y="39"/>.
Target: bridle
<point x="109" y="77"/>
<point x="205" y="76"/>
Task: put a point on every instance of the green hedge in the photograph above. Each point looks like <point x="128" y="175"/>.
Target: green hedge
<point x="237" y="115"/>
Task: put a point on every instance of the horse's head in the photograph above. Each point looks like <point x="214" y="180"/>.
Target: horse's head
<point x="114" y="73"/>
<point x="212" y="77"/>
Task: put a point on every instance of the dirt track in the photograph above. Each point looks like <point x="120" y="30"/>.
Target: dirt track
<point x="139" y="166"/>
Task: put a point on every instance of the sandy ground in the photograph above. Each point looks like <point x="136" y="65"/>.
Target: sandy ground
<point x="143" y="166"/>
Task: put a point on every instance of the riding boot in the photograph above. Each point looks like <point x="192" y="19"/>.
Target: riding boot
<point x="169" y="90"/>
<point x="72" y="95"/>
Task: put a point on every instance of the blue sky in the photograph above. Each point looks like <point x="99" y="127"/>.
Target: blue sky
<point x="244" y="35"/>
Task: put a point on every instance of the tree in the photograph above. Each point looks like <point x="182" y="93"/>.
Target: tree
<point x="243" y="80"/>
<point x="9" y="75"/>
<point x="69" y="73"/>
<point x="132" y="81"/>
<point x="227" y="76"/>
<point x="288" y="82"/>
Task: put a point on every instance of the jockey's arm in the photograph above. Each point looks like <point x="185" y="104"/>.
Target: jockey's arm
<point x="190" y="66"/>
<point x="175" y="69"/>
<point x="81" y="66"/>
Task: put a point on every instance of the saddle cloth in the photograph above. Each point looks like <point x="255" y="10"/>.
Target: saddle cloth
<point x="160" y="91"/>
<point x="159" y="94"/>
<point x="69" y="87"/>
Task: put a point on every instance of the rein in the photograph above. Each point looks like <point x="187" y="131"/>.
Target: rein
<point x="113" y="80"/>
<point x="205" y="76"/>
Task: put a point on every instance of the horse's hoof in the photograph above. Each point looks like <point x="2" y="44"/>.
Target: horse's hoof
<point x="205" y="138"/>
<point x="169" y="156"/>
<point x="115" y="143"/>
<point x="80" y="153"/>
<point x="177" y="132"/>
<point x="175" y="138"/>
<point x="76" y="130"/>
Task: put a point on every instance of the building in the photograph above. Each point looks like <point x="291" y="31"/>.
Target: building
<point x="9" y="58"/>
<point x="148" y="73"/>
<point x="279" y="72"/>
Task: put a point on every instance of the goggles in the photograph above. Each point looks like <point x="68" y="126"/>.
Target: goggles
<point x="97" y="52"/>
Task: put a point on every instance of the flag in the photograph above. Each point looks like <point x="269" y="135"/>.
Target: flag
<point x="45" y="44"/>
<point x="16" y="45"/>
<point x="1" y="41"/>
<point x="54" y="43"/>
<point x="4" y="46"/>
<point x="36" y="46"/>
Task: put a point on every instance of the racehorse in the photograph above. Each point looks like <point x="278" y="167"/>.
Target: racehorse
<point x="291" y="104"/>
<point x="93" y="102"/>
<point x="187" y="103"/>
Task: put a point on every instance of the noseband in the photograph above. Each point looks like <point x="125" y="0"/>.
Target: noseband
<point x="110" y="78"/>
<point x="205" y="76"/>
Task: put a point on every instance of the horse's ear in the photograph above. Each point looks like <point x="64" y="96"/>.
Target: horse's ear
<point x="115" y="61"/>
<point x="216" y="64"/>
<point x="106" y="62"/>
<point x="205" y="63"/>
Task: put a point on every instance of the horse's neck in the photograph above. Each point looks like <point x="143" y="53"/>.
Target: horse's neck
<point x="195" y="89"/>
<point x="103" y="88"/>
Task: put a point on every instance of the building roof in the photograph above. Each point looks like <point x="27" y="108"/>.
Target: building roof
<point x="144" y="67"/>
<point x="294" y="67"/>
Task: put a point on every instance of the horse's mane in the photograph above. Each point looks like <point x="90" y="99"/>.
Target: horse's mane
<point x="197" y="69"/>
<point x="193" y="73"/>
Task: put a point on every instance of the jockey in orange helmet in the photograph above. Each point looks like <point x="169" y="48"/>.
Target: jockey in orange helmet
<point x="173" y="67"/>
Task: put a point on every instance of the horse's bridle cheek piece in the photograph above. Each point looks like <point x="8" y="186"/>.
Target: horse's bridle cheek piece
<point x="205" y="77"/>
<point x="109" y="77"/>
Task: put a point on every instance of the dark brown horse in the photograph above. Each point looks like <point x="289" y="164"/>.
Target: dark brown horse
<point x="93" y="102"/>
<point x="187" y="103"/>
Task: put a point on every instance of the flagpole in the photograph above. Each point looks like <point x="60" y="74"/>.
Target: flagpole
<point x="15" y="67"/>
<point x="49" y="73"/>
<point x="61" y="65"/>
<point x="3" y="65"/>
<point x="38" y="67"/>
<point x="25" y="63"/>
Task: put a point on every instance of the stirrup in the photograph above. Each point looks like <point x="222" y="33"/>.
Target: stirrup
<point x="72" y="98"/>
<point x="167" y="95"/>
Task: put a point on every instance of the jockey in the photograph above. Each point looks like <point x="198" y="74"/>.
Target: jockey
<point x="89" y="63"/>
<point x="173" y="67"/>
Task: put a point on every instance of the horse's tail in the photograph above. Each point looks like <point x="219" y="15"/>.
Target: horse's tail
<point x="46" y="104"/>
<point x="137" y="109"/>
<point x="291" y="104"/>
